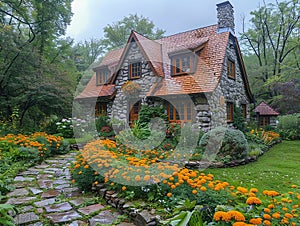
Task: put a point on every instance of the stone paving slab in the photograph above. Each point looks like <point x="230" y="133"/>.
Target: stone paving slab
<point x="65" y="206"/>
<point x="90" y="209"/>
<point x="50" y="193"/>
<point x="25" y="218"/>
<point x="20" y="200"/>
<point x="22" y="179"/>
<point x="18" y="192"/>
<point x="35" y="191"/>
<point x="63" y="217"/>
<point x="104" y="217"/>
<point x="45" y="202"/>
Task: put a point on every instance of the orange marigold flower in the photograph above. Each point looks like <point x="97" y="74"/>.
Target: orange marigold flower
<point x="124" y="188"/>
<point x="239" y="224"/>
<point x="271" y="206"/>
<point x="169" y="194"/>
<point x="137" y="178"/>
<point x="267" y="216"/>
<point x="288" y="215"/>
<point x="194" y="191"/>
<point x="256" y="221"/>
<point x="267" y="210"/>
<point x="242" y="190"/>
<point x="294" y="186"/>
<point x="253" y="190"/>
<point x="86" y="166"/>
<point x="80" y="172"/>
<point x="267" y="222"/>
<point x="203" y="188"/>
<point x="238" y="216"/>
<point x="276" y="215"/>
<point x="253" y="200"/>
<point x="220" y="215"/>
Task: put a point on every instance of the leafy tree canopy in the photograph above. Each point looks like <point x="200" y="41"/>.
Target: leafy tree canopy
<point x="117" y="34"/>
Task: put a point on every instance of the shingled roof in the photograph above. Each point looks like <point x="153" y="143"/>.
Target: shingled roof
<point x="265" y="109"/>
<point x="157" y="52"/>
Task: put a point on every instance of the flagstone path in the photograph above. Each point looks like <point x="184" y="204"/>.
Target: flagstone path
<point x="44" y="195"/>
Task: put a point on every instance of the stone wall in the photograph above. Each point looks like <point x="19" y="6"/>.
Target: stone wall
<point x="232" y="90"/>
<point x="120" y="106"/>
<point x="225" y="16"/>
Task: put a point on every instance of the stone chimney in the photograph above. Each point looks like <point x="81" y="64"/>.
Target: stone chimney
<point x="225" y="17"/>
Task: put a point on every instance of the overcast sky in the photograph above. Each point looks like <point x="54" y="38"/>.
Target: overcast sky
<point x="174" y="16"/>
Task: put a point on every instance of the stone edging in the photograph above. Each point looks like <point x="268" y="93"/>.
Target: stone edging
<point x="140" y="217"/>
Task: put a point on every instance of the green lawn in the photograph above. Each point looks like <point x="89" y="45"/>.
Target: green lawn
<point x="277" y="169"/>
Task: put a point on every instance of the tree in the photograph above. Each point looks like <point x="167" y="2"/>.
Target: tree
<point x="36" y="70"/>
<point x="272" y="47"/>
<point x="117" y="34"/>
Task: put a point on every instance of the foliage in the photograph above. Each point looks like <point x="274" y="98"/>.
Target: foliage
<point x="238" y="119"/>
<point x="17" y="152"/>
<point x="218" y="199"/>
<point x="65" y="128"/>
<point x="131" y="88"/>
<point x="36" y="71"/>
<point x="117" y="34"/>
<point x="224" y="143"/>
<point x="272" y="48"/>
<point x="103" y="127"/>
<point x="5" y="214"/>
<point x="260" y="136"/>
<point x="289" y="126"/>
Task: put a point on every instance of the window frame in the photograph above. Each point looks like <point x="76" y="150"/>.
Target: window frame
<point x="231" y="69"/>
<point x="100" y="109"/>
<point x="183" y="113"/>
<point x="244" y="110"/>
<point x="102" y="76"/>
<point x="264" y="120"/>
<point x="229" y="111"/>
<point x="179" y="59"/>
<point x="135" y="70"/>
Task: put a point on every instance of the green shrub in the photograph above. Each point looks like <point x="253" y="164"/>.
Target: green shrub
<point x="238" y="119"/>
<point x="289" y="127"/>
<point x="224" y="143"/>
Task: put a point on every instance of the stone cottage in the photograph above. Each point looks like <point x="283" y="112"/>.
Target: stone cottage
<point x="197" y="76"/>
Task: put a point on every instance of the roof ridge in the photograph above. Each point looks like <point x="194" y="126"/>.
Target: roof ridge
<point x="187" y="31"/>
<point x="153" y="40"/>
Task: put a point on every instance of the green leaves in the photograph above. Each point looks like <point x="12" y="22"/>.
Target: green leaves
<point x="117" y="34"/>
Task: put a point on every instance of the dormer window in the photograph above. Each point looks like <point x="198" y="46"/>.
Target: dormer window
<point x="102" y="76"/>
<point x="182" y="64"/>
<point x="135" y="70"/>
<point x="231" y="69"/>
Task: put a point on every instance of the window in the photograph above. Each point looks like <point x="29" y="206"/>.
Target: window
<point x="134" y="111"/>
<point x="231" y="69"/>
<point x="244" y="110"/>
<point x="182" y="64"/>
<point x="180" y="112"/>
<point x="229" y="111"/>
<point x="102" y="76"/>
<point x="100" y="109"/>
<point x="135" y="70"/>
<point x="264" y="120"/>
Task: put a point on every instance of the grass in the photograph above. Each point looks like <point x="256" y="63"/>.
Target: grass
<point x="277" y="169"/>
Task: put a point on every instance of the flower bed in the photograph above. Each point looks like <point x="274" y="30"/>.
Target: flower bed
<point x="20" y="151"/>
<point x="149" y="173"/>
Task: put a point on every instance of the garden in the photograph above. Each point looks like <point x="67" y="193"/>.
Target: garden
<point x="263" y="191"/>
